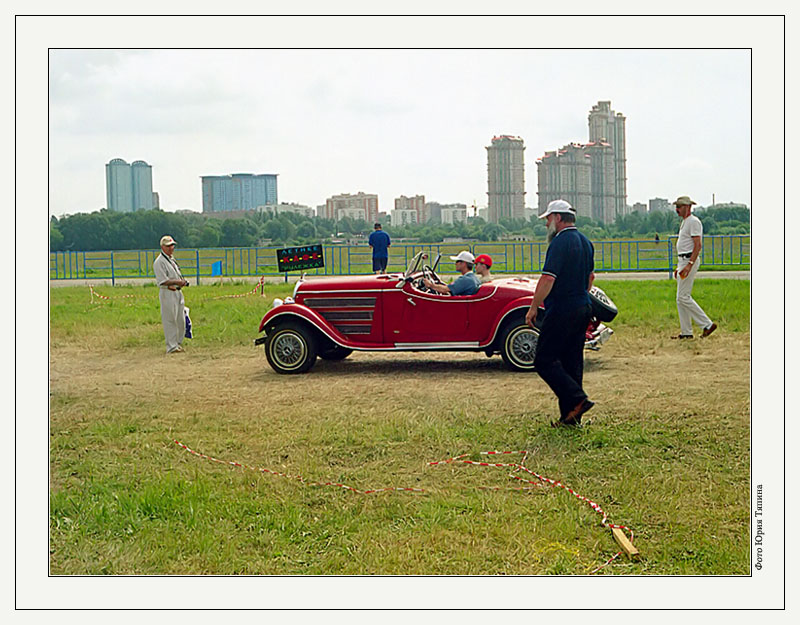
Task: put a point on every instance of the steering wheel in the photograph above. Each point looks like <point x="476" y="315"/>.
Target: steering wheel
<point x="427" y="272"/>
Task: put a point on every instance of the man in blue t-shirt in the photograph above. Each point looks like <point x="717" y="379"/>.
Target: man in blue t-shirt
<point x="567" y="276"/>
<point x="379" y="241"/>
<point x="467" y="283"/>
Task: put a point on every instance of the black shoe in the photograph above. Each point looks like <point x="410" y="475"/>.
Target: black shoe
<point x="709" y="330"/>
<point x="686" y="336"/>
<point x="584" y="406"/>
<point x="574" y="416"/>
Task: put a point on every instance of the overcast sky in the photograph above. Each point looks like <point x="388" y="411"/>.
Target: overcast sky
<point x="391" y="122"/>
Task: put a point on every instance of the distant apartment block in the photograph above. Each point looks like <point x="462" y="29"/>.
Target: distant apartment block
<point x="659" y="204"/>
<point x="129" y="187"/>
<point x="506" y="169"/>
<point x="434" y="212"/>
<point x="416" y="203"/>
<point x="286" y="207"/>
<point x="454" y="214"/>
<point x="404" y="217"/>
<point x="590" y="176"/>
<point x="640" y="207"/>
<point x="235" y="192"/>
<point x="359" y="206"/>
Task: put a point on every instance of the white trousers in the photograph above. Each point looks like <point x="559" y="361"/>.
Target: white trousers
<point x="688" y="309"/>
<point x="172" y="318"/>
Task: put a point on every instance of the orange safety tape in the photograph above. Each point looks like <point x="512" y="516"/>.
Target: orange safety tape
<point x="456" y="459"/>
<point x="93" y="294"/>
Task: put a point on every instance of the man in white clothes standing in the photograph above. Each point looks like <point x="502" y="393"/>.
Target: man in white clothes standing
<point x="170" y="282"/>
<point x="690" y="242"/>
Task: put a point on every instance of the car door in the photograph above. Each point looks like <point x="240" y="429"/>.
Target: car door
<point x="430" y="318"/>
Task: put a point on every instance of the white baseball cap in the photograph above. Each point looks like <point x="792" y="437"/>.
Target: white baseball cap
<point x="558" y="206"/>
<point x="167" y="240"/>
<point x="466" y="256"/>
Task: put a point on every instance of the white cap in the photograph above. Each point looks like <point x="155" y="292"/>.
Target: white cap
<point x="167" y="240"/>
<point x="465" y="256"/>
<point x="558" y="206"/>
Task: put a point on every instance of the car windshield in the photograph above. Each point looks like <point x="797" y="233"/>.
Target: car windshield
<point x="414" y="263"/>
<point x="418" y="261"/>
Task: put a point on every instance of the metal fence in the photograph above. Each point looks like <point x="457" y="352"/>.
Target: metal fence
<point x="719" y="252"/>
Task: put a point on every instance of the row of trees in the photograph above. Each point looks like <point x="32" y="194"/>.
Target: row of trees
<point x="107" y="230"/>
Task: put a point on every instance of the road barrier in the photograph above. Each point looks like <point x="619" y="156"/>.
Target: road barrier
<point x="523" y="257"/>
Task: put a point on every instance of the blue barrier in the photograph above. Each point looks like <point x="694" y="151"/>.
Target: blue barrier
<point x="719" y="251"/>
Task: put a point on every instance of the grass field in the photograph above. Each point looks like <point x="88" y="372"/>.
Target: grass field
<point x="667" y="453"/>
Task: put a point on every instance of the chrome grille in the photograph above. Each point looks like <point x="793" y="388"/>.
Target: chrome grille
<point x="339" y="302"/>
<point x="347" y="315"/>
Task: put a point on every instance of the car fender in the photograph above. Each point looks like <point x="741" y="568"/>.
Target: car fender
<point x="295" y="311"/>
<point x="518" y="305"/>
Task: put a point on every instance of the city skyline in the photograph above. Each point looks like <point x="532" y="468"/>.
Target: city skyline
<point x="336" y="122"/>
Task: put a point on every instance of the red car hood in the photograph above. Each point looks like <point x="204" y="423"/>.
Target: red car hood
<point x="348" y="283"/>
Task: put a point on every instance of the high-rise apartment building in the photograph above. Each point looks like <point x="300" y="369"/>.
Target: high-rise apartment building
<point x="416" y="203"/>
<point x="129" y="187"/>
<point x="359" y="206"/>
<point x="590" y="176"/>
<point x="583" y="175"/>
<point x="506" y="167"/>
<point x="607" y="126"/>
<point x="236" y="192"/>
<point x="566" y="174"/>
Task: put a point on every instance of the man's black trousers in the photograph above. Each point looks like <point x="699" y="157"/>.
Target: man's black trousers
<point x="559" y="354"/>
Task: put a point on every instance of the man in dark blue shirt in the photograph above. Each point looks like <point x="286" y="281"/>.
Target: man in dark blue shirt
<point x="379" y="241"/>
<point x="567" y="276"/>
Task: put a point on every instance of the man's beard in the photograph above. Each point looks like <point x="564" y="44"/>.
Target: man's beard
<point x="551" y="232"/>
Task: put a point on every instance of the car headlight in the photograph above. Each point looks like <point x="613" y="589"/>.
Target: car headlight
<point x="277" y="302"/>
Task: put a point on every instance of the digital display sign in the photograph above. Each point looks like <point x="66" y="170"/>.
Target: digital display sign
<point x="297" y="258"/>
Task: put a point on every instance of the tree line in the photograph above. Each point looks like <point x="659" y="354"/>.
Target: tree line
<point x="108" y="230"/>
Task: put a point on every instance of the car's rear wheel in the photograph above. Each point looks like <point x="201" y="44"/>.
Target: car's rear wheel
<point x="291" y="348"/>
<point x="335" y="352"/>
<point x="518" y="346"/>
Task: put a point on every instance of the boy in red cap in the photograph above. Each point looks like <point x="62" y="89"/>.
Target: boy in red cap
<point x="482" y="265"/>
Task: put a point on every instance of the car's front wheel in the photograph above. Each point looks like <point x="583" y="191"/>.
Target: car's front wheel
<point x="290" y="348"/>
<point x="518" y="347"/>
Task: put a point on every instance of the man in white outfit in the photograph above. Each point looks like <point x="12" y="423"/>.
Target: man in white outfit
<point x="690" y="242"/>
<point x="170" y="282"/>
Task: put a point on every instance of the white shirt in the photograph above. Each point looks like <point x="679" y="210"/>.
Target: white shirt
<point x="165" y="269"/>
<point x="690" y="227"/>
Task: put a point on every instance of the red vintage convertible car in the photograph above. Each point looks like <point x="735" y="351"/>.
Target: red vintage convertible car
<point x="332" y="317"/>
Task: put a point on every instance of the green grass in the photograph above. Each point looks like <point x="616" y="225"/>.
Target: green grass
<point x="649" y="306"/>
<point x="126" y="500"/>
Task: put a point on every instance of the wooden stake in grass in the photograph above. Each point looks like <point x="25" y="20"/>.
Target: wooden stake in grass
<point x="624" y="543"/>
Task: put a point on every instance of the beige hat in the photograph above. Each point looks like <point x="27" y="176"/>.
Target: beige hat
<point x="466" y="256"/>
<point x="558" y="206"/>
<point x="684" y="200"/>
<point x="167" y="240"/>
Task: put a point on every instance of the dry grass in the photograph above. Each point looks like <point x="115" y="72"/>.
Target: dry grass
<point x="666" y="453"/>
